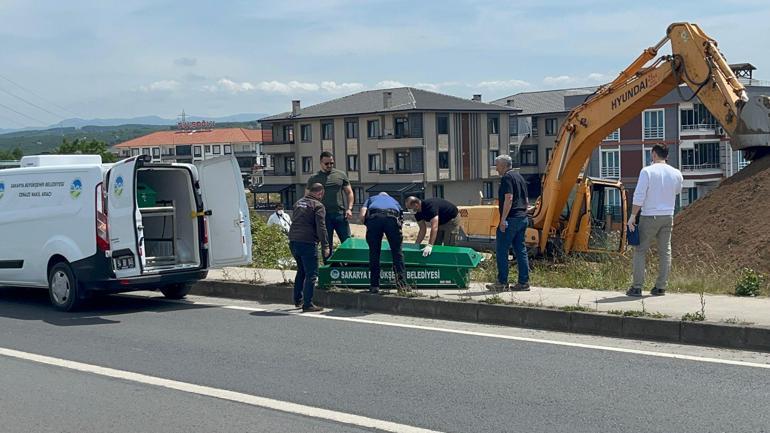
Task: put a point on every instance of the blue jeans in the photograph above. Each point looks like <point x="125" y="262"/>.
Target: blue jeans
<point x="306" y="255"/>
<point x="512" y="237"/>
<point x="336" y="222"/>
<point x="376" y="226"/>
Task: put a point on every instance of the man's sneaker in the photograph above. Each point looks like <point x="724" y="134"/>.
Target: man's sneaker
<point x="520" y="287"/>
<point x="497" y="287"/>
<point x="374" y="290"/>
<point x="298" y="304"/>
<point x="657" y="292"/>
<point x="311" y="309"/>
<point x="634" y="292"/>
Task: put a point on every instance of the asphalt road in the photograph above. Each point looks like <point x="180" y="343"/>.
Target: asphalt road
<point x="416" y="377"/>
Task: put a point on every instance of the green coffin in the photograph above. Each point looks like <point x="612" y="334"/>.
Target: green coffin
<point x="355" y="251"/>
<point x="421" y="277"/>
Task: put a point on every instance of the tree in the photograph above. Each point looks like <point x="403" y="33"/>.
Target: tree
<point x="12" y="155"/>
<point x="83" y="147"/>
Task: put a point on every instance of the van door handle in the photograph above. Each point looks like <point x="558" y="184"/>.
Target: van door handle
<point x="200" y="214"/>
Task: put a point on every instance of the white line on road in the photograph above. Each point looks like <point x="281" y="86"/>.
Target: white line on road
<point x="504" y="337"/>
<point x="263" y="402"/>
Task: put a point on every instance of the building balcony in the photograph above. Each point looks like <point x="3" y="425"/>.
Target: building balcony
<point x="396" y="176"/>
<point x="701" y="128"/>
<point x="705" y="168"/>
<point x="610" y="173"/>
<point x="279" y="148"/>
<point x="390" y="142"/>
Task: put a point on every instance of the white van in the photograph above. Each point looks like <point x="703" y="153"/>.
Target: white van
<point x="75" y="225"/>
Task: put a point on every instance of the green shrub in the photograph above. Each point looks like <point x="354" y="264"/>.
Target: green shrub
<point x="749" y="283"/>
<point x="270" y="245"/>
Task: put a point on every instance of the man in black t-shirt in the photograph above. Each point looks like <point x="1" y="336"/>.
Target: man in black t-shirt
<point x="513" y="203"/>
<point x="444" y="221"/>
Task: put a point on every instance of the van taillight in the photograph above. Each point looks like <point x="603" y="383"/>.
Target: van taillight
<point x="205" y="233"/>
<point x="102" y="225"/>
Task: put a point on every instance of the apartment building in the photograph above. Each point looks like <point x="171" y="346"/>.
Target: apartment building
<point x="403" y="141"/>
<point x="191" y="145"/>
<point x="698" y="146"/>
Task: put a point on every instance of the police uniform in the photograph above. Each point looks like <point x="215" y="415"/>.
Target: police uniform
<point x="384" y="216"/>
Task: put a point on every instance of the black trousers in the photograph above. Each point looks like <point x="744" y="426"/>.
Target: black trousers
<point x="378" y="225"/>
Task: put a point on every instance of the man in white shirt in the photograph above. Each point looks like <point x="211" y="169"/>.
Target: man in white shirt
<point x="280" y="218"/>
<point x="655" y="196"/>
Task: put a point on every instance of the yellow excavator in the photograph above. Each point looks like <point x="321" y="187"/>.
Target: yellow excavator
<point x="569" y="216"/>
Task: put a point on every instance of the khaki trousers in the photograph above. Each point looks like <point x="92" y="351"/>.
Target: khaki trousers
<point x="658" y="229"/>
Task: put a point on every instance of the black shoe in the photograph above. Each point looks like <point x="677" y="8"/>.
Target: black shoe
<point x="311" y="309"/>
<point x="298" y="304"/>
<point x="497" y="287"/>
<point x="374" y="290"/>
<point x="636" y="293"/>
<point x="657" y="292"/>
<point x="520" y="287"/>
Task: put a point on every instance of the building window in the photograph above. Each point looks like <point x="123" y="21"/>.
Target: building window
<point x="493" y="154"/>
<point x="228" y="149"/>
<point x="374" y="162"/>
<point x="443" y="160"/>
<point x="217" y="149"/>
<point x="550" y="126"/>
<point x="327" y="131"/>
<point x="307" y="164"/>
<point x="548" y="152"/>
<point x="306" y="133"/>
<point x="403" y="162"/>
<point x="647" y="156"/>
<point x="610" y="163"/>
<point x="373" y="128"/>
<point x="528" y="155"/>
<point x="135" y="151"/>
<point x="351" y="128"/>
<point x="352" y="162"/>
<point x="534" y="126"/>
<point x="614" y="136"/>
<point x="169" y="151"/>
<point x="697" y="118"/>
<point x="653" y="127"/>
<point x="742" y="161"/>
<point x="207" y="149"/>
<point x="493" y="124"/>
<point x="145" y="151"/>
<point x="197" y="152"/>
<point x="442" y="124"/>
<point x="513" y="125"/>
<point x="703" y="156"/>
<point x="288" y="165"/>
<point x="155" y="152"/>
<point x="183" y="150"/>
<point x="358" y="193"/>
<point x="402" y="127"/>
<point x="288" y="133"/>
<point x="488" y="190"/>
<point x="613" y="203"/>
<point x="438" y="191"/>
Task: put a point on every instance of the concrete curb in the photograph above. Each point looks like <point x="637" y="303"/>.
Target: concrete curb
<point x="666" y="330"/>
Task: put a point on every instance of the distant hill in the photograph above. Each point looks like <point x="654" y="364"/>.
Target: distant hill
<point x="34" y="142"/>
<point x="154" y="120"/>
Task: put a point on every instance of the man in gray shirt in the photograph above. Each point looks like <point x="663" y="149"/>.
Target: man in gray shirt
<point x="307" y="231"/>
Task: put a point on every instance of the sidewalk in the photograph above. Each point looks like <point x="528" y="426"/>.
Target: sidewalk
<point x="719" y="308"/>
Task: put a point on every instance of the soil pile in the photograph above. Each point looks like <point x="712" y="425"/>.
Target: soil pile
<point x="730" y="227"/>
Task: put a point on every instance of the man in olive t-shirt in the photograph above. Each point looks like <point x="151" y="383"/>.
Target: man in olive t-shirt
<point x="338" y="212"/>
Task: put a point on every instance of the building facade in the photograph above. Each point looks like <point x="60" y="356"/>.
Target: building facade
<point x="191" y="145"/>
<point x="403" y="141"/>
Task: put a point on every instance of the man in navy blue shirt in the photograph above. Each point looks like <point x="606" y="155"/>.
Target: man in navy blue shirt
<point x="513" y="202"/>
<point x="383" y="215"/>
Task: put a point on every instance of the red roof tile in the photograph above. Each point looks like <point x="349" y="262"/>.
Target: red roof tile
<point x="213" y="136"/>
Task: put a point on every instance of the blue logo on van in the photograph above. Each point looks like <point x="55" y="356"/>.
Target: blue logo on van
<point x="2" y="189"/>
<point x="119" y="186"/>
<point x="76" y="188"/>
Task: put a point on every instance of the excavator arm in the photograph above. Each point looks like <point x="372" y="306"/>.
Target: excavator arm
<point x="696" y="62"/>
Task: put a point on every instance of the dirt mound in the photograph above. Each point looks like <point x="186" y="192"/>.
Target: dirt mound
<point x="729" y="227"/>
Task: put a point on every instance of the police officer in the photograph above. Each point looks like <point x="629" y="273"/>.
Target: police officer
<point x="383" y="215"/>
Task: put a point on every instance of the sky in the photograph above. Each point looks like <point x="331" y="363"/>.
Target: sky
<point x="108" y="59"/>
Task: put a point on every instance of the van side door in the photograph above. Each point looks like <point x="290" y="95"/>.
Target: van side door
<point x="124" y="218"/>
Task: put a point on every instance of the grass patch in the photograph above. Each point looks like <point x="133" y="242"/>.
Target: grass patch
<point x="638" y="313"/>
<point x="576" y="308"/>
<point x="493" y="300"/>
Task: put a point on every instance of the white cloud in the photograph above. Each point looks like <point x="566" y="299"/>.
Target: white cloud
<point x="160" y="86"/>
<point x="390" y="83"/>
<point x="503" y="84"/>
<point x="568" y="80"/>
<point x="561" y="80"/>
<point x="333" y="87"/>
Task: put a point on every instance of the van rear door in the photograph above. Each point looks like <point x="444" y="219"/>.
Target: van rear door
<point x="221" y="188"/>
<point x="124" y="219"/>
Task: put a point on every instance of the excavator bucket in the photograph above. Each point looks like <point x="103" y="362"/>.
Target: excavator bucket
<point x="753" y="132"/>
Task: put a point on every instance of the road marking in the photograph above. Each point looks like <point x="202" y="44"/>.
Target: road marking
<point x="499" y="336"/>
<point x="253" y="400"/>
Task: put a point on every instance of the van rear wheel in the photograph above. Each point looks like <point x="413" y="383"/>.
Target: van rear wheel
<point x="63" y="287"/>
<point x="176" y="291"/>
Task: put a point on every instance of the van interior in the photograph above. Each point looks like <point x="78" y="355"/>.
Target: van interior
<point x="166" y="201"/>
